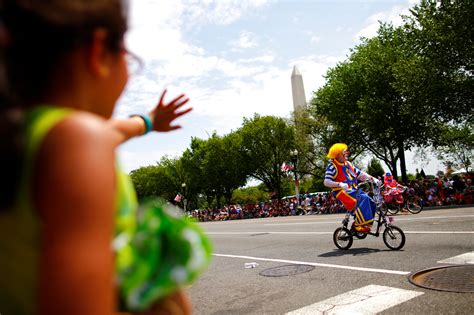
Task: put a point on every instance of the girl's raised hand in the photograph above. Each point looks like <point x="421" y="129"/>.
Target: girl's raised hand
<point x="165" y="113"/>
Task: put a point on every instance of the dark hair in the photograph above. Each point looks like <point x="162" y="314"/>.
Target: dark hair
<point x="35" y="35"/>
<point x="41" y="32"/>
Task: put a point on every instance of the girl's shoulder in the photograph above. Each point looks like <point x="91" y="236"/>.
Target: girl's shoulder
<point x="80" y="130"/>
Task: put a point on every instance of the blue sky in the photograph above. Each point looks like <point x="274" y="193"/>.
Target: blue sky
<point x="234" y="58"/>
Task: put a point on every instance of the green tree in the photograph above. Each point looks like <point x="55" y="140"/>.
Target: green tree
<point x="162" y="180"/>
<point x="236" y="168"/>
<point x="374" y="168"/>
<point x="456" y="146"/>
<point x="438" y="75"/>
<point x="145" y="180"/>
<point x="249" y="195"/>
<point x="360" y="101"/>
<point x="266" y="144"/>
<point x="192" y="160"/>
<point x="216" y="166"/>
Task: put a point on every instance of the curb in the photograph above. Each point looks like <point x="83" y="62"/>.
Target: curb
<point x="448" y="207"/>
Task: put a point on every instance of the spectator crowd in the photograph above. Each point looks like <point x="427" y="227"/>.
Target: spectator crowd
<point x="441" y="191"/>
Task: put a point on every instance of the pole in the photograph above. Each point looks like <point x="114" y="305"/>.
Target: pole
<point x="294" y="155"/>
<point x="297" y="190"/>
<point x="183" y="185"/>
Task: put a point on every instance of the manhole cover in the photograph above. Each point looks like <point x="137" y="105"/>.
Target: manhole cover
<point x="288" y="270"/>
<point x="458" y="278"/>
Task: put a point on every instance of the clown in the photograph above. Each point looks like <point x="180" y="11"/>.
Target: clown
<point x="342" y="177"/>
<point x="393" y="190"/>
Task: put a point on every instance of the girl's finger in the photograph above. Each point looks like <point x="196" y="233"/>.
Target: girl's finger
<point x="179" y="114"/>
<point x="175" y="127"/>
<point x="175" y="100"/>
<point x="162" y="98"/>
<point x="176" y="106"/>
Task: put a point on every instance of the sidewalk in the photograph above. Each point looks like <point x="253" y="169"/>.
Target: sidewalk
<point x="447" y="207"/>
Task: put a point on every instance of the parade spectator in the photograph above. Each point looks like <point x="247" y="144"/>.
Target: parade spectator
<point x="66" y="66"/>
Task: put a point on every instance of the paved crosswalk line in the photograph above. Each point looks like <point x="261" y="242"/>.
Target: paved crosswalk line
<point x="467" y="258"/>
<point x="371" y="299"/>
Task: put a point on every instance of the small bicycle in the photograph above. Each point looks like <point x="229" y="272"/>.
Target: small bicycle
<point x="411" y="202"/>
<point x="393" y="236"/>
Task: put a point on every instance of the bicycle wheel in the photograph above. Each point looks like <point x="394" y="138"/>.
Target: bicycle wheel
<point x="393" y="237"/>
<point x="342" y="238"/>
<point x="414" y="205"/>
<point x="392" y="209"/>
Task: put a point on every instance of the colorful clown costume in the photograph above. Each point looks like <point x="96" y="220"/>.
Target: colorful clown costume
<point x="337" y="172"/>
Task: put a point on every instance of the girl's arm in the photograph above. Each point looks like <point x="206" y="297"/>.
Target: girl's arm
<point x="161" y="118"/>
<point x="74" y="194"/>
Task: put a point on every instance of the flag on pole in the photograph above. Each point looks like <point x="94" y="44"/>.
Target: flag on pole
<point x="286" y="168"/>
<point x="178" y="197"/>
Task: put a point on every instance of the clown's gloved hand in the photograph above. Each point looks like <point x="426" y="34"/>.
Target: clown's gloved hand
<point x="344" y="186"/>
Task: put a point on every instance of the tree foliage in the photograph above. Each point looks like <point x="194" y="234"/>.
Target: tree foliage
<point x="266" y="144"/>
<point x="161" y="180"/>
<point x="250" y="195"/>
<point x="456" y="147"/>
<point x="438" y="76"/>
<point x="216" y="166"/>
<point x="375" y="168"/>
<point x="362" y="103"/>
<point x="399" y="89"/>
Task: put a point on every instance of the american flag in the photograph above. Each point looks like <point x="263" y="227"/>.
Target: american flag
<point x="286" y="168"/>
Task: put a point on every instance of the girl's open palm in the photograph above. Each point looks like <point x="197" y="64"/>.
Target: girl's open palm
<point x="165" y="113"/>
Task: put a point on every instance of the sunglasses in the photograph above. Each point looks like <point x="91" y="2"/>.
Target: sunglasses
<point x="134" y="63"/>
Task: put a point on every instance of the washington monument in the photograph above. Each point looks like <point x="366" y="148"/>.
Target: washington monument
<point x="297" y="87"/>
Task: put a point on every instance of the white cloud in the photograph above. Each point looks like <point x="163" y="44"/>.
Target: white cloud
<point x="221" y="12"/>
<point x="246" y="40"/>
<point x="372" y="23"/>
<point x="315" y="39"/>
<point x="222" y="88"/>
<point x="264" y="58"/>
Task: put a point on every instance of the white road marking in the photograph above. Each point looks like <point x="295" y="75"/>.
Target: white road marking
<point x="331" y="232"/>
<point x="397" y="218"/>
<point x="467" y="258"/>
<point x="371" y="299"/>
<point x="395" y="272"/>
<point x="263" y="232"/>
<point x="303" y="223"/>
<point x="439" y="232"/>
<point x="409" y="218"/>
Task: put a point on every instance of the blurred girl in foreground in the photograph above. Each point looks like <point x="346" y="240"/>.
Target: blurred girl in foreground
<point x="64" y="65"/>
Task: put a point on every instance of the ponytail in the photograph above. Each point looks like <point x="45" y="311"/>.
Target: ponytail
<point x="11" y="152"/>
<point x="11" y="134"/>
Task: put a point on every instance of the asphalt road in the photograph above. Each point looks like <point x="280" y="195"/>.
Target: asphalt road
<point x="227" y="287"/>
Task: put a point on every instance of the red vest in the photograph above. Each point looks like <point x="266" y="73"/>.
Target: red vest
<point x="345" y="173"/>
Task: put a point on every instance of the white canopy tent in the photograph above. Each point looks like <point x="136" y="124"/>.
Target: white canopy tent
<point x="462" y="171"/>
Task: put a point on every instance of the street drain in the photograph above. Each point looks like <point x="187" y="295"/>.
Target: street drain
<point x="458" y="278"/>
<point x="287" y="270"/>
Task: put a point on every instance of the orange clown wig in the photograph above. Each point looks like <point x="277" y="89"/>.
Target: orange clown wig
<point x="336" y="149"/>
